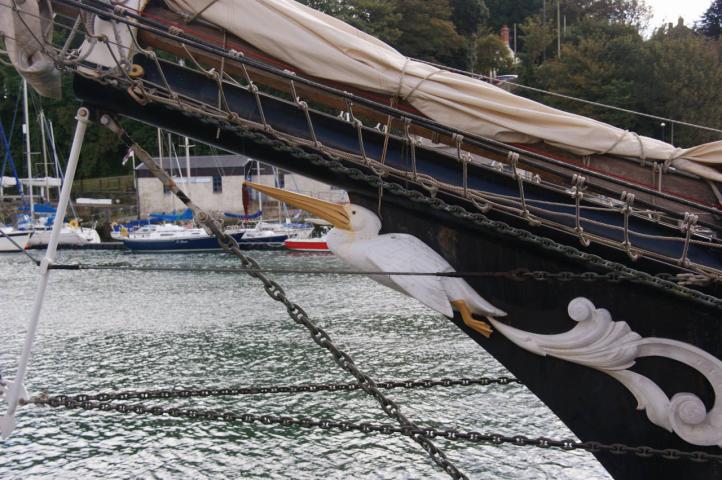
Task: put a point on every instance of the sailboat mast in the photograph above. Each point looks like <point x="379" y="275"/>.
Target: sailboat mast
<point x="260" y="195"/>
<point x="160" y="148"/>
<point x="277" y="184"/>
<point x="188" y="158"/>
<point x="26" y="115"/>
<point x="46" y="189"/>
<point x="56" y="160"/>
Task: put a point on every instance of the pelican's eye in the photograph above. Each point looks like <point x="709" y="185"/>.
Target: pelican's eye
<point x="353" y="212"/>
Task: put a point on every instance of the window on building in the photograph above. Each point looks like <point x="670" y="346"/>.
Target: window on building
<point x="166" y="190"/>
<point x="281" y="181"/>
<point x="217" y="184"/>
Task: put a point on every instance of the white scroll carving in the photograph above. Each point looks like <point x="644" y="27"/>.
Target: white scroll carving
<point x="612" y="347"/>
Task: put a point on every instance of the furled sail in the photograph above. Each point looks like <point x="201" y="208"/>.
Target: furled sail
<point x="325" y="47"/>
<point x="27" y="29"/>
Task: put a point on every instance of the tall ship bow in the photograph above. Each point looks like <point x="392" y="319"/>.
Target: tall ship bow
<point x="602" y="246"/>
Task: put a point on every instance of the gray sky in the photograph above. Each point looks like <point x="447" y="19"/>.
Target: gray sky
<point x="670" y="10"/>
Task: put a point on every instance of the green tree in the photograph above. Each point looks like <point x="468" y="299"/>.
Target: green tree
<point x="599" y="62"/>
<point x="331" y="7"/>
<point x="631" y="12"/>
<point x="537" y="37"/>
<point x="375" y="17"/>
<point x="711" y="22"/>
<point x="684" y="81"/>
<point x="505" y="12"/>
<point x="428" y="33"/>
<point x="468" y="16"/>
<point x="492" y="55"/>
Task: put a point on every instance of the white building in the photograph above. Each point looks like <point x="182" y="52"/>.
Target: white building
<point x="215" y="185"/>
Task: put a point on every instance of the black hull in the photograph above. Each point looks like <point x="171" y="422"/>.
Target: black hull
<point x="595" y="406"/>
<point x="592" y="404"/>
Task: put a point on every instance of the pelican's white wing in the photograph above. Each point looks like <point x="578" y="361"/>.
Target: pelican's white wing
<point x="398" y="252"/>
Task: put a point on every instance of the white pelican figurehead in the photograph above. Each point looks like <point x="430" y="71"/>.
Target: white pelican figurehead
<point x="356" y="240"/>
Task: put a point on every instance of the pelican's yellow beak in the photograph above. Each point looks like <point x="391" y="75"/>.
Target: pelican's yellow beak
<point x="331" y="212"/>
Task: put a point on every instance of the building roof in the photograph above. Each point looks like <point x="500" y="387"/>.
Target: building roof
<point x="206" y="165"/>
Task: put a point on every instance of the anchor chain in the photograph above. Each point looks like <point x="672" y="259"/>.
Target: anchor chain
<point x="518" y="274"/>
<point x="436" y="203"/>
<point x="266" y="137"/>
<point x="297" y="314"/>
<point x="385" y="429"/>
<point x="275" y="389"/>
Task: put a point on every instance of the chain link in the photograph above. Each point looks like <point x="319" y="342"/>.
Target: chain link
<point x="279" y="389"/>
<point x="615" y="272"/>
<point x="264" y="136"/>
<point x="662" y="282"/>
<point x="297" y="314"/>
<point x="518" y="274"/>
<point x="87" y="403"/>
<point x="321" y="338"/>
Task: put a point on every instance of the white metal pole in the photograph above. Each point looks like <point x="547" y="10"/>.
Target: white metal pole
<point x="135" y="185"/>
<point x="26" y="114"/>
<point x="172" y="154"/>
<point x="276" y="184"/>
<point x="515" y="52"/>
<point x="17" y="389"/>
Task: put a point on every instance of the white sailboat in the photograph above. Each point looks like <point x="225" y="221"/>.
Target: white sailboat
<point x="72" y="233"/>
<point x="13" y="240"/>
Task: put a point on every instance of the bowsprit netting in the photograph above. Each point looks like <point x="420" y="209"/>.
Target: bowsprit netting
<point x="585" y="204"/>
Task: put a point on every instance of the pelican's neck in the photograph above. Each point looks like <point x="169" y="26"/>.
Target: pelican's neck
<point x="339" y="238"/>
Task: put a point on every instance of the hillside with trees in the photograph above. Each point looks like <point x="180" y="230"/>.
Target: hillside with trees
<point x="603" y="51"/>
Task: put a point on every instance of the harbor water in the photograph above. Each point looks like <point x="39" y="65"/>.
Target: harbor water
<point x="111" y="330"/>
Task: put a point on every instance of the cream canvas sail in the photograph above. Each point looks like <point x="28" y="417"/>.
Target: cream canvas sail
<point x="325" y="47"/>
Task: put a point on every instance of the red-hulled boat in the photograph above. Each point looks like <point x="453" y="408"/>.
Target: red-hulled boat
<point x="315" y="242"/>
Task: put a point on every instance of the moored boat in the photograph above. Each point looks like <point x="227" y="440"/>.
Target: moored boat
<point x="71" y="234"/>
<point x="170" y="238"/>
<point x="306" y="245"/>
<point x="315" y="241"/>
<point x="11" y="239"/>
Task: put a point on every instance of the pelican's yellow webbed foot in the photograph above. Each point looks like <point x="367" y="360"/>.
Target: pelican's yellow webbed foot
<point x="477" y="325"/>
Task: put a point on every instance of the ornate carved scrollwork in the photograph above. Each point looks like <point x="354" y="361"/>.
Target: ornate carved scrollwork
<point x="612" y="347"/>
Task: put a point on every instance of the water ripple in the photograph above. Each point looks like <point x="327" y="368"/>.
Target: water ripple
<point x="118" y="330"/>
